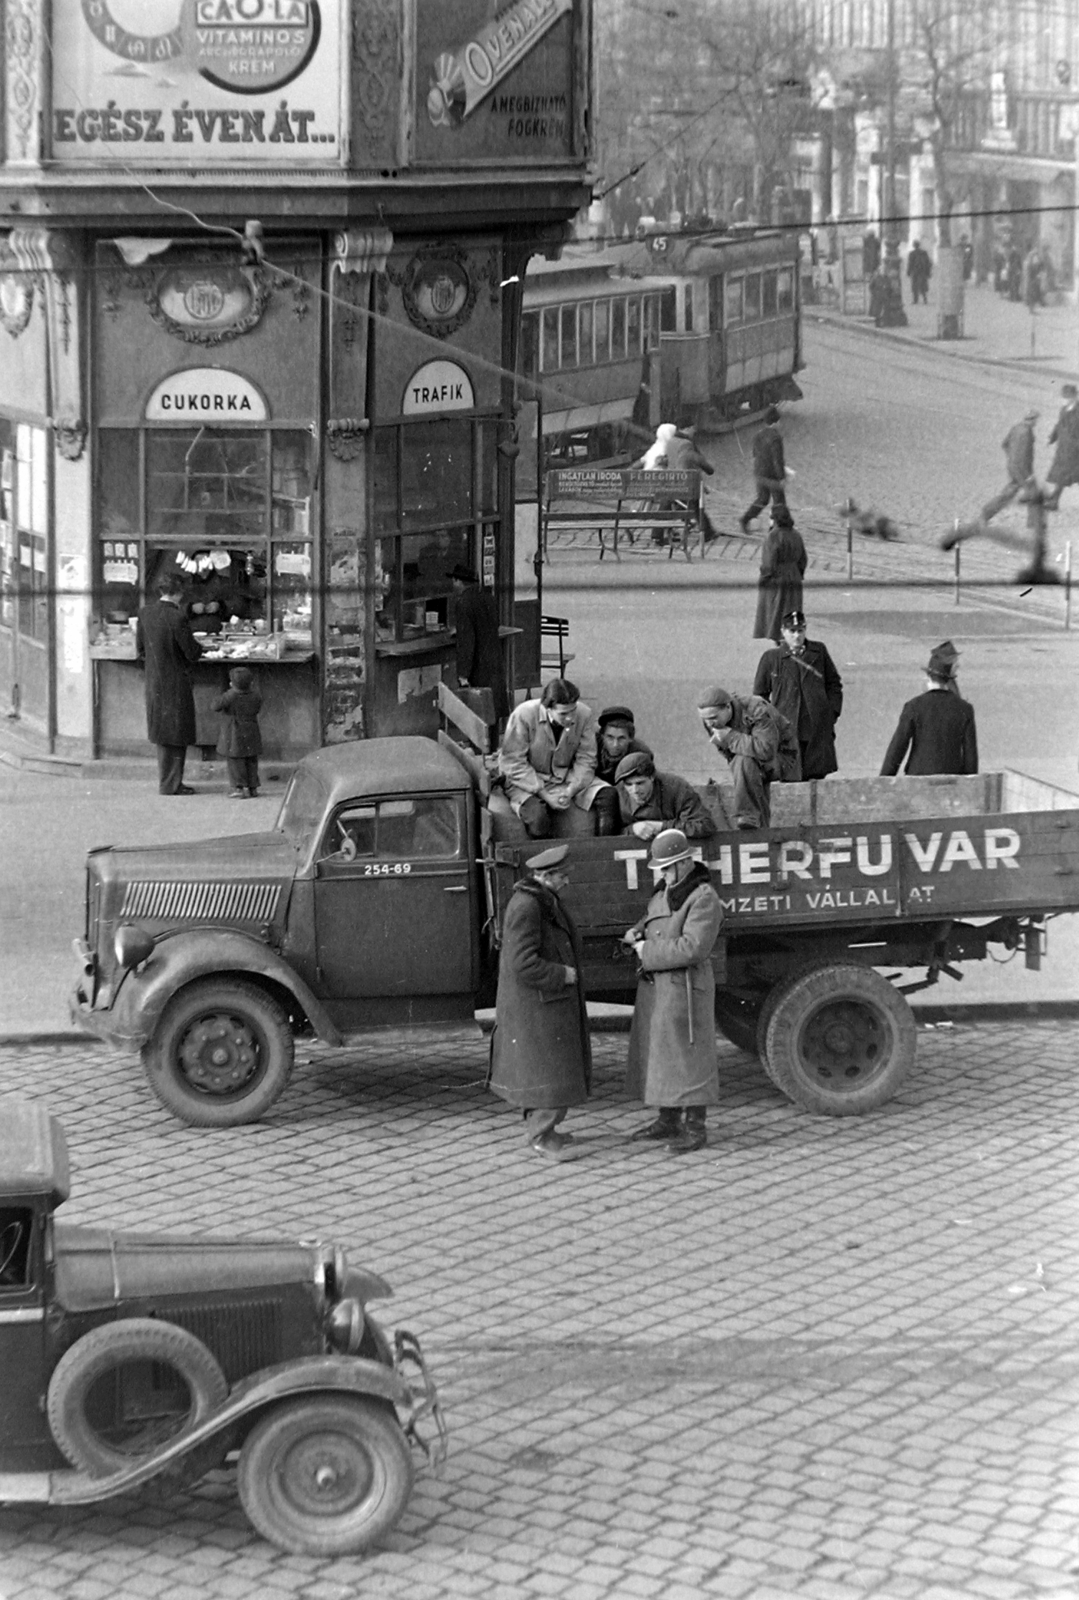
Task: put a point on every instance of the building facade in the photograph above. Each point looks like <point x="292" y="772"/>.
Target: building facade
<point x="260" y="300"/>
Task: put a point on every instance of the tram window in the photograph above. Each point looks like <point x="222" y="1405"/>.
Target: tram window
<point x="785" y="290"/>
<point x="549" y="349"/>
<point x="668" y="311"/>
<point x="603" y="330"/>
<point x="618" y="330"/>
<point x="633" y="327"/>
<point x="569" y="336"/>
<point x="584" y="325"/>
<point x="530" y="344"/>
<point x="768" y="299"/>
<point x="753" y="297"/>
<point x="651" y="322"/>
<point x="687" y="302"/>
<point x="733" y="302"/>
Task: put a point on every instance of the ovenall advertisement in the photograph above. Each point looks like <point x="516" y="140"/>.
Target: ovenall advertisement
<point x="194" y="83"/>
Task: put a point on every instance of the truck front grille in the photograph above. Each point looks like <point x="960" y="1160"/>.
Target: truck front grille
<point x="244" y="1335"/>
<point x="203" y="902"/>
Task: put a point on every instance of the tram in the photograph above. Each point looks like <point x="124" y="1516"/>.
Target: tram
<point x="682" y="329"/>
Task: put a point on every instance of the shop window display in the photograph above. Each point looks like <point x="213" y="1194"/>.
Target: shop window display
<point x="24" y="552"/>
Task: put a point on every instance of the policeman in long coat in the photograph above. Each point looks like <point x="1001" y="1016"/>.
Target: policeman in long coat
<point x="541" y="1057"/>
<point x="801" y="680"/>
<point x="167" y="647"/>
<point x="672" y="1044"/>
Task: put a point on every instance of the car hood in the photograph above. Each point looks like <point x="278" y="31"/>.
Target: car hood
<point x="241" y="881"/>
<point x="100" y="1267"/>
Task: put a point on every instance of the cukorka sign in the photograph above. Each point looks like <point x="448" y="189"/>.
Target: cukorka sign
<point x="196" y="82"/>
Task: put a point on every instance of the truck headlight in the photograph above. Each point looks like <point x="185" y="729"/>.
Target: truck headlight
<point x="344" y="1326"/>
<point x="132" y="945"/>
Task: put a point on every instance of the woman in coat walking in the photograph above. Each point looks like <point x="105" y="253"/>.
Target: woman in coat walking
<point x="783" y="564"/>
<point x="672" y="1043"/>
<point x="541" y="1058"/>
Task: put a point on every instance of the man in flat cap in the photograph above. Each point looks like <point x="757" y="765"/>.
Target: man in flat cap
<point x="616" y="737"/>
<point x="800" y="679"/>
<point x="541" y="1057"/>
<point x="759" y="744"/>
<point x="651" y="801"/>
<point x="672" y="1062"/>
<point x="937" y="727"/>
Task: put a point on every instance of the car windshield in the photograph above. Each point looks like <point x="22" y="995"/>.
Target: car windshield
<point x="302" y="809"/>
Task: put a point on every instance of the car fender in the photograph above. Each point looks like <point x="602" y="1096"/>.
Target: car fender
<point x="325" y="1375"/>
<point x="179" y="959"/>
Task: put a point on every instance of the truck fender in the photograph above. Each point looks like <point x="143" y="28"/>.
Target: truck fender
<point x="326" y="1375"/>
<point x="201" y="953"/>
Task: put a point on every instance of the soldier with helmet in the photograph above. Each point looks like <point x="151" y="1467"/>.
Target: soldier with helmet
<point x="672" y="1044"/>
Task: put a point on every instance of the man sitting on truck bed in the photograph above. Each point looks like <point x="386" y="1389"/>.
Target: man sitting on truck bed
<point x="651" y="801"/>
<point x="760" y="745"/>
<point x="548" y="760"/>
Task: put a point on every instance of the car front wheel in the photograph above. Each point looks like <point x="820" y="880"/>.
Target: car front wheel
<point x="325" y="1475"/>
<point x="221" y="1053"/>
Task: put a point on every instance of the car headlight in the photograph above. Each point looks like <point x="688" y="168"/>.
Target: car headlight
<point x="344" y="1326"/>
<point x="132" y="945"/>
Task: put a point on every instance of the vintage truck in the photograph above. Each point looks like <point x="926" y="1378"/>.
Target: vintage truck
<point x="377" y="897"/>
<point x="126" y="1357"/>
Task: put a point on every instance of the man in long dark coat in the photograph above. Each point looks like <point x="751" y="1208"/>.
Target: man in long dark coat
<point x="1064" y="469"/>
<point x="167" y="647"/>
<point x="800" y="679"/>
<point x="672" y="1062"/>
<point x="769" y="468"/>
<point x="937" y="727"/>
<point x="779" y="584"/>
<point x="479" y="648"/>
<point x="541" y="1057"/>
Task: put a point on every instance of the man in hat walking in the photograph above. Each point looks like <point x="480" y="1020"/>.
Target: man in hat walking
<point x="672" y="1062"/>
<point x="1064" y="469"/>
<point x="769" y="468"/>
<point x="651" y="801"/>
<point x="479" y="648"/>
<point x="541" y="1057"/>
<point x="800" y="679"/>
<point x="937" y="727"/>
<point x="760" y="746"/>
<point x="166" y="646"/>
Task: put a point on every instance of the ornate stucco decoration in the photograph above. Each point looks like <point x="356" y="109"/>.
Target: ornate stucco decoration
<point x="344" y="435"/>
<point x="377" y="78"/>
<point x="16" y="301"/>
<point x="23" y="78"/>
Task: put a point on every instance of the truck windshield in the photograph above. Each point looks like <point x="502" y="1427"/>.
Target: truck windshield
<point x="302" y="809"/>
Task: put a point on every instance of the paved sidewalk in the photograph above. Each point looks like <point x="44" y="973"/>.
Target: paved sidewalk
<point x="825" y="1359"/>
<point x="996" y="332"/>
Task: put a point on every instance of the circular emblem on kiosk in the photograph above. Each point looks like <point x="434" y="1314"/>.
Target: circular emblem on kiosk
<point x="438" y="386"/>
<point x="437" y="289"/>
<point x="246" y="46"/>
<point x="207" y="304"/>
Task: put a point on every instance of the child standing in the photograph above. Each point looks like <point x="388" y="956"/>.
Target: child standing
<point x="240" y="741"/>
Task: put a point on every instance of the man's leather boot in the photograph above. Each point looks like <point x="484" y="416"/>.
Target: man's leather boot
<point x="668" y="1125"/>
<point x="693" y="1135"/>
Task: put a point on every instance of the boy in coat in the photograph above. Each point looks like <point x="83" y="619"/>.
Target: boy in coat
<point x="937" y="727"/>
<point x="167" y="647"/>
<point x="672" y="1044"/>
<point x="800" y="679"/>
<point x="541" y="1057"/>
<point x="240" y="741"/>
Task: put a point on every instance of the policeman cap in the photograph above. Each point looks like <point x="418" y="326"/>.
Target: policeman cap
<point x="548" y="859"/>
<point x="794" y="619"/>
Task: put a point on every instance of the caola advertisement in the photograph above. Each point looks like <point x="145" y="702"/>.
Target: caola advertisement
<point x="196" y="82"/>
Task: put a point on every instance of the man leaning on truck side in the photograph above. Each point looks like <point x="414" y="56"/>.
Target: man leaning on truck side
<point x="541" y="1055"/>
<point x="760" y="746"/>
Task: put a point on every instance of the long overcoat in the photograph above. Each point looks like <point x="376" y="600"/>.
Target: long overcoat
<point x="165" y="643"/>
<point x="672" y="1043"/>
<point x="1065" y="435"/>
<point x="541" y="1054"/>
<point x="783" y="562"/>
<point x="808" y="690"/>
<point x="479" y="648"/>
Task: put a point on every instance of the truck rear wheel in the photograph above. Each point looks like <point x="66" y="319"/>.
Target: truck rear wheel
<point x="840" y="1041"/>
<point x="221" y="1053"/>
<point x="128" y="1389"/>
<point x="325" y="1475"/>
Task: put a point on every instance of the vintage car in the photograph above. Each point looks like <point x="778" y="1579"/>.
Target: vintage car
<point x="126" y="1357"/>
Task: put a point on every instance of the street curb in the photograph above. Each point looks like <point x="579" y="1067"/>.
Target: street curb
<point x="932" y="347"/>
<point x="985" y="1011"/>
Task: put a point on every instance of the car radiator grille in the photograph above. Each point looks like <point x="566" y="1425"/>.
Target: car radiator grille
<point x="188" y="902"/>
<point x="244" y="1335"/>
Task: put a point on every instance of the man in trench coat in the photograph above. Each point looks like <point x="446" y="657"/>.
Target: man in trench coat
<point x="800" y="679"/>
<point x="672" y="1043"/>
<point x="541" y="1057"/>
<point x="166" y="646"/>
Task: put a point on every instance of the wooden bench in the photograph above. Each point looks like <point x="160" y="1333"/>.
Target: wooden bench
<point x="617" y="502"/>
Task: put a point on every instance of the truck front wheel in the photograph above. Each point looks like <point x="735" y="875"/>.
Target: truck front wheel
<point x="840" y="1040"/>
<point x="325" y="1475"/>
<point x="221" y="1054"/>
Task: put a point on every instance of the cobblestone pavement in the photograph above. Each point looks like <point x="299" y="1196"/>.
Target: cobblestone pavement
<point x="827" y="1358"/>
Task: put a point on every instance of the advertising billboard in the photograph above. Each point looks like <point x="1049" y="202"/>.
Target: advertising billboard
<point x="493" y="88"/>
<point x="192" y="83"/>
